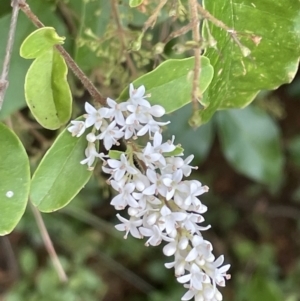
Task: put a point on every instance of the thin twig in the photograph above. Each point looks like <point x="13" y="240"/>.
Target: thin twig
<point x="96" y="95"/>
<point x="197" y="53"/>
<point x="48" y="245"/>
<point x="129" y="61"/>
<point x="9" y="47"/>
<point x="206" y="15"/>
<point x="183" y="30"/>
<point x="152" y="19"/>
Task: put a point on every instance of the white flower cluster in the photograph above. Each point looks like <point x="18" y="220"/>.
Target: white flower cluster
<point x="161" y="204"/>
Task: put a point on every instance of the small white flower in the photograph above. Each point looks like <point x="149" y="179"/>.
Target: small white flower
<point x="110" y="135"/>
<point x="157" y="185"/>
<point x="124" y="197"/>
<point x="150" y="156"/>
<point x="156" y="236"/>
<point x="77" y="129"/>
<point x="165" y="147"/>
<point x="216" y="272"/>
<point x="191" y="223"/>
<point x="91" y="154"/>
<point x="196" y="277"/>
<point x="116" y="110"/>
<point x="151" y="127"/>
<point x="130" y="226"/>
<point x="93" y="116"/>
<point x="171" y="182"/>
<point x="201" y="251"/>
<point x="169" y="220"/>
<point x="137" y="96"/>
<point x="119" y="168"/>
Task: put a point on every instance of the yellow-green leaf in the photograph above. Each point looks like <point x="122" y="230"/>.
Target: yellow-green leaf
<point x="40" y="41"/>
<point x="47" y="91"/>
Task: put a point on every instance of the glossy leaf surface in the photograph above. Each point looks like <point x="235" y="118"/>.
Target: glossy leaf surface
<point x="170" y="84"/>
<point x="270" y="30"/>
<point x="60" y="176"/>
<point x="14" y="180"/>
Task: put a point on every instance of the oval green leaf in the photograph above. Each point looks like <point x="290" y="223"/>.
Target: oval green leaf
<point x="170" y="84"/>
<point x="135" y="3"/>
<point x="39" y="42"/>
<point x="47" y="91"/>
<point x="60" y="176"/>
<point x="250" y="140"/>
<point x="273" y="38"/>
<point x="14" y="180"/>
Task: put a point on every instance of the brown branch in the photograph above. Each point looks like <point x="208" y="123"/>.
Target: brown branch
<point x="196" y="93"/>
<point x="96" y="95"/>
<point x="48" y="245"/>
<point x="11" y="36"/>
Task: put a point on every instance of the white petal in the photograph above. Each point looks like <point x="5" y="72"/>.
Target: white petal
<point x="89" y="108"/>
<point x="192" y="255"/>
<point x="157" y="111"/>
<point x="184" y="278"/>
<point x="170" y="248"/>
<point x="188" y="295"/>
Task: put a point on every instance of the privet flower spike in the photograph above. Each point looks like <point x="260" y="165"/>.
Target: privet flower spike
<point x="151" y="185"/>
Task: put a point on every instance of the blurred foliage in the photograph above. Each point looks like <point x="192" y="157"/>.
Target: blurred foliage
<point x="250" y="158"/>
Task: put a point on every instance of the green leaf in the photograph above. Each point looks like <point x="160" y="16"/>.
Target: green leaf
<point x="170" y="84"/>
<point x="135" y="3"/>
<point x="269" y="30"/>
<point x="39" y="42"/>
<point x="60" y="176"/>
<point x="251" y="143"/>
<point x="14" y="96"/>
<point x="47" y="91"/>
<point x="14" y="180"/>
